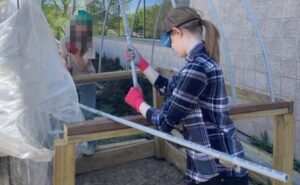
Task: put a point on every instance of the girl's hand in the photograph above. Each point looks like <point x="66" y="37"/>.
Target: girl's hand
<point x="135" y="97"/>
<point x="132" y="54"/>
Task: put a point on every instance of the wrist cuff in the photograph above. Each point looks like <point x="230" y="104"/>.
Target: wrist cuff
<point x="138" y="104"/>
<point x="149" y="114"/>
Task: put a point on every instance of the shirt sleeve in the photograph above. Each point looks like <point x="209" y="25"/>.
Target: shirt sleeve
<point x="191" y="84"/>
<point x="161" y="84"/>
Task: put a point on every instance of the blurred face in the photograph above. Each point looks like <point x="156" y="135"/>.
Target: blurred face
<point x="81" y="29"/>
<point x="80" y="34"/>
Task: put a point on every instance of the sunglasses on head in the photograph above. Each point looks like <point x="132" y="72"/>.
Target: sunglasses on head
<point x="165" y="38"/>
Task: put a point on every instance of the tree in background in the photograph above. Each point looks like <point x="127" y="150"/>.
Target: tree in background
<point x="97" y="9"/>
<point x="114" y="25"/>
<point x="58" y="13"/>
<point x="151" y="12"/>
<point x="150" y="18"/>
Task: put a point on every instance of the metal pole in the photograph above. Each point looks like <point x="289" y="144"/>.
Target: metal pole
<point x="102" y="37"/>
<point x="269" y="172"/>
<point x="128" y="38"/>
<point x="144" y="20"/>
<point x="173" y="3"/>
<point x="132" y="23"/>
<point x="119" y="26"/>
<point x="262" y="45"/>
<point x="133" y="19"/>
<point x="226" y="51"/>
<point x="155" y="30"/>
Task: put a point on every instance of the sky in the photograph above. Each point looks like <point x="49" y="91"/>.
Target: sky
<point x="133" y="4"/>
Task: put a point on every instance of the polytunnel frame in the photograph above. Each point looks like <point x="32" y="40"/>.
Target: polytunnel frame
<point x="226" y="53"/>
<point x="128" y="39"/>
<point x="102" y="36"/>
<point x="227" y="56"/>
<point x="155" y="28"/>
<point x="261" y="42"/>
<point x="237" y="161"/>
<point x="106" y="9"/>
<point x="103" y="31"/>
<point x="131" y="125"/>
<point x="224" y="43"/>
<point x="132" y="22"/>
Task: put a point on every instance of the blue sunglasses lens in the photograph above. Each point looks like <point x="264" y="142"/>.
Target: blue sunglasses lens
<point x="165" y="40"/>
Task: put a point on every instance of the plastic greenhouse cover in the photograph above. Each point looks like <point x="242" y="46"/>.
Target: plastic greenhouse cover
<point x="37" y="93"/>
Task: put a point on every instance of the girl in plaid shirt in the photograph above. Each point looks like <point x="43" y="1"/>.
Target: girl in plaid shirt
<point x="195" y="97"/>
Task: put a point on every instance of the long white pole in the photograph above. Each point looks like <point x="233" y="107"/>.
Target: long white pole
<point x="107" y="6"/>
<point x="128" y="38"/>
<point x="173" y="3"/>
<point x="263" y="47"/>
<point x="269" y="172"/>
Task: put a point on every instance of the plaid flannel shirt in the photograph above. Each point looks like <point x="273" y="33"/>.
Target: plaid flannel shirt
<point x="196" y="97"/>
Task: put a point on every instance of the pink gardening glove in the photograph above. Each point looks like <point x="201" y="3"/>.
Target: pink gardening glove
<point x="134" y="97"/>
<point x="133" y="54"/>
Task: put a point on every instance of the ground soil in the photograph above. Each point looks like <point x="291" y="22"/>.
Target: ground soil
<point x="149" y="171"/>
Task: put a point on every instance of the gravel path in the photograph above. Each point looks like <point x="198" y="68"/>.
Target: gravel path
<point x="149" y="171"/>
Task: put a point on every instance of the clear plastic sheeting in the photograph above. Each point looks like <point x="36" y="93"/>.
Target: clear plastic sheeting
<point x="37" y="94"/>
<point x="7" y="8"/>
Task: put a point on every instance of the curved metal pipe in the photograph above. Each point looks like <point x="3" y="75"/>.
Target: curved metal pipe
<point x="132" y="23"/>
<point x="128" y="38"/>
<point x="262" y="45"/>
<point x="116" y="5"/>
<point x="102" y="37"/>
<point x="173" y="3"/>
<point x="133" y="19"/>
<point x="225" y="46"/>
<point x="155" y="30"/>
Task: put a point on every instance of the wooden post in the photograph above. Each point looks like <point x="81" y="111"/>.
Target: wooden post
<point x="159" y="143"/>
<point x="159" y="147"/>
<point x="64" y="163"/>
<point x="283" y="151"/>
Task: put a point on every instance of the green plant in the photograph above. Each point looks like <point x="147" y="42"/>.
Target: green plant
<point x="262" y="142"/>
<point x="111" y="98"/>
<point x="297" y="165"/>
<point x="58" y="13"/>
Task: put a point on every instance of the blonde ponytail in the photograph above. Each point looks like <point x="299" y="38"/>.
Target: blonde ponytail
<point x="212" y="38"/>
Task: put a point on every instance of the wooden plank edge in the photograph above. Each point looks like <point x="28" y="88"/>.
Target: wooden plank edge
<point x="105" y="76"/>
<point x="115" y="156"/>
<point x="119" y="144"/>
<point x="100" y="125"/>
<point x="260" y="114"/>
<point x="101" y="135"/>
<point x="249" y="108"/>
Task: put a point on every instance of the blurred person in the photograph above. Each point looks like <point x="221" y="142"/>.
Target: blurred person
<point x="77" y="50"/>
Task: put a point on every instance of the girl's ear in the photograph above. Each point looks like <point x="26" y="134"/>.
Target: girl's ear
<point x="176" y="31"/>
